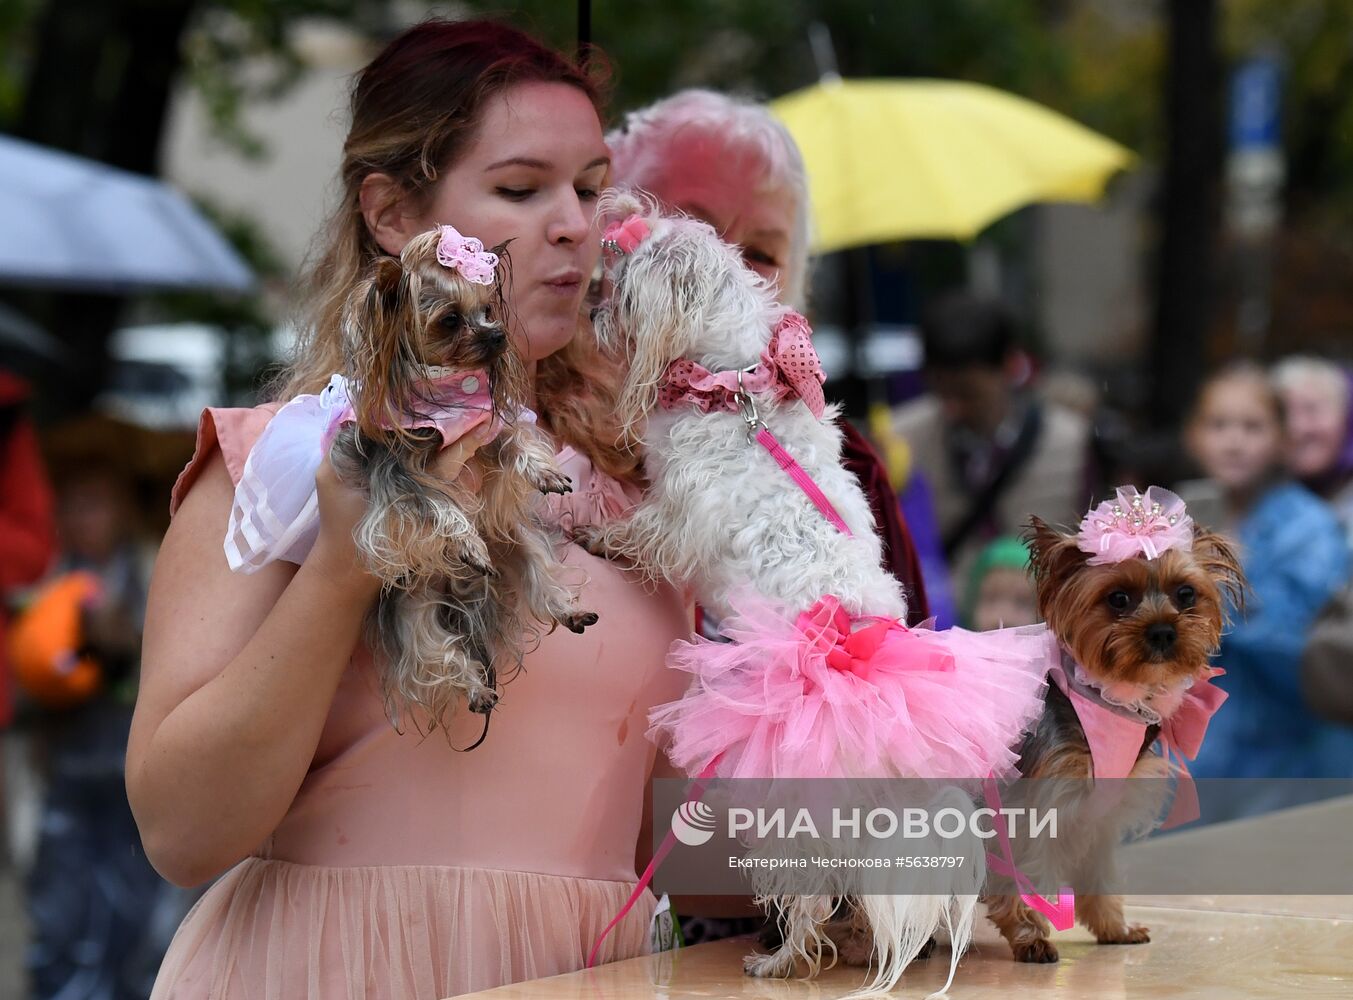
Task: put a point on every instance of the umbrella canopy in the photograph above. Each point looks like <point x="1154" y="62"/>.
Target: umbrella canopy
<point x="80" y="225"/>
<point x="935" y="159"/>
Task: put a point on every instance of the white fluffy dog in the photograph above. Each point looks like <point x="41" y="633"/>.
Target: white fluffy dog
<point x="722" y="517"/>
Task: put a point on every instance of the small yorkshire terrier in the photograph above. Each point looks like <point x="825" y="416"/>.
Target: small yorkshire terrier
<point x="426" y="350"/>
<point x="1135" y="604"/>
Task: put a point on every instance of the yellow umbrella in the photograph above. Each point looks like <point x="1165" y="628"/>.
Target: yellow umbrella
<point x="935" y="159"/>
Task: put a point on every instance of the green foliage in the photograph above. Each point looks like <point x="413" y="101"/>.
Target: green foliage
<point x="17" y="21"/>
<point x="1313" y="39"/>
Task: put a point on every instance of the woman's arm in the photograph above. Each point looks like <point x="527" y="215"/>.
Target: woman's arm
<point x="238" y="673"/>
<point x="237" y="676"/>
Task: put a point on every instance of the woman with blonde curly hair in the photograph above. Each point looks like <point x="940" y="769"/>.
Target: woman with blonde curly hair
<point x="360" y="861"/>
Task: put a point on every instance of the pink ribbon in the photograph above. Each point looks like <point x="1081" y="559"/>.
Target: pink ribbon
<point x="828" y="627"/>
<point x="789" y="368"/>
<point x="624" y="237"/>
<point x="1182" y="735"/>
<point x="466" y="255"/>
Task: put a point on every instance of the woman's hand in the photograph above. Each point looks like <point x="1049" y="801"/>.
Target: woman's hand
<point x="341" y="507"/>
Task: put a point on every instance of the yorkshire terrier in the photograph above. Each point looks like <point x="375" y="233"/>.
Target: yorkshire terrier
<point x="469" y="567"/>
<point x="1135" y="604"/>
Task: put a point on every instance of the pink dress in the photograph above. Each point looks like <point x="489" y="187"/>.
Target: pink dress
<point x="407" y="870"/>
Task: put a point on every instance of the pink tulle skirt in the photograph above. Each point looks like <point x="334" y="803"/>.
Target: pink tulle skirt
<point x="827" y="695"/>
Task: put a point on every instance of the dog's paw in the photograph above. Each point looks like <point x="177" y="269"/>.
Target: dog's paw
<point x="1127" y="934"/>
<point x="549" y="480"/>
<point x="590" y="538"/>
<point x="1040" y="950"/>
<point x="579" y="621"/>
<point x="483" y="701"/>
<point x="771" y="966"/>
<point x="856" y="949"/>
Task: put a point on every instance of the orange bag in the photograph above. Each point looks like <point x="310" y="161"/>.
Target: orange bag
<point x="44" y="638"/>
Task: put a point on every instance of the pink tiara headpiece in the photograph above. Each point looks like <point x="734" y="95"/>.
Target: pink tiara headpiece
<point x="466" y="255"/>
<point x="1135" y="524"/>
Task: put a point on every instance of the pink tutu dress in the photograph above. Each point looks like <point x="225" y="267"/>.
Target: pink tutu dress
<point x="406" y="870"/>
<point x="823" y="694"/>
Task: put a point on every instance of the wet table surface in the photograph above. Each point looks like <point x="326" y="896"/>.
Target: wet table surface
<point x="1233" y="947"/>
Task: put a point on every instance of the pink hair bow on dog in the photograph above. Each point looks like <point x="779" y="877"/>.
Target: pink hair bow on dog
<point x="795" y="364"/>
<point x="466" y="255"/>
<point x="1135" y="524"/>
<point x="623" y="237"/>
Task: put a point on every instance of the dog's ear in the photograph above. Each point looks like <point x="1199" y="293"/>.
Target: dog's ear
<point x="381" y="338"/>
<point x="1054" y="558"/>
<point x="1218" y="557"/>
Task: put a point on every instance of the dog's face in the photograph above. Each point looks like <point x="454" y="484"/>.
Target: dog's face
<point x="681" y="292"/>
<point x="409" y="314"/>
<point x="1141" y="621"/>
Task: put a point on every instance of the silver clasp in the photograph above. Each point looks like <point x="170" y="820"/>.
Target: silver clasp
<point x="747" y="407"/>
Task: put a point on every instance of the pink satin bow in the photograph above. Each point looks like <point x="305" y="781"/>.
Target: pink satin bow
<point x="623" y="237"/>
<point x="795" y="367"/>
<point x="1182" y="735"/>
<point x="466" y="255"/>
<point x="829" y="627"/>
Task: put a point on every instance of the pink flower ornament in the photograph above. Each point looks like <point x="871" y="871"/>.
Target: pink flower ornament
<point x="1135" y="524"/>
<point x="466" y="255"/>
<point x="623" y="237"/>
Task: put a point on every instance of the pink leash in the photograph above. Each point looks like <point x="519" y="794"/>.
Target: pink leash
<point x="664" y="849"/>
<point x="1062" y="913"/>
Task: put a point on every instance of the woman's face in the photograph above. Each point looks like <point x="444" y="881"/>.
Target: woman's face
<point x="1317" y="418"/>
<point x="701" y="179"/>
<point x="532" y="176"/>
<point x="1235" y="435"/>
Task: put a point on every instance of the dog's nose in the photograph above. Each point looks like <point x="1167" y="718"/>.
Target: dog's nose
<point x="495" y="340"/>
<point x="1160" y="636"/>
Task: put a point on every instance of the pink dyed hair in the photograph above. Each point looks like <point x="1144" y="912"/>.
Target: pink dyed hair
<point x="641" y="147"/>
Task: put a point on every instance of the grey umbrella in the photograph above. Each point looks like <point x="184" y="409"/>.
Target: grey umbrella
<point x="72" y="223"/>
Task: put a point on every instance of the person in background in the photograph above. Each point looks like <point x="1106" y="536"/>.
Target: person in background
<point x="1316" y="397"/>
<point x="1319" y="450"/>
<point x="1000" y="592"/>
<point x="730" y="163"/>
<point x="91" y="894"/>
<point x="990" y="451"/>
<point x="1295" y="558"/>
<point x="27" y="547"/>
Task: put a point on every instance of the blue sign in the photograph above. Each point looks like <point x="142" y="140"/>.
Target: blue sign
<point x="1256" y="104"/>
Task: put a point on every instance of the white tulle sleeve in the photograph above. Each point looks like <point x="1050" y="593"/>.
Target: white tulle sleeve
<point x="275" y="514"/>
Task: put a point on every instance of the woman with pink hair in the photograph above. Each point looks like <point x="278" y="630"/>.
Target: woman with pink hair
<point x="729" y="162"/>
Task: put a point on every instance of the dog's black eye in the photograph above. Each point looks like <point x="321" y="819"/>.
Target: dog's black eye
<point x="1119" y="600"/>
<point x="1185" y="597"/>
<point x="451" y="320"/>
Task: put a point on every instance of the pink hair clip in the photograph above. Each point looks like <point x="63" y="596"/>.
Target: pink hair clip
<point x="466" y="255"/>
<point x="1135" y="524"/>
<point x="623" y="237"/>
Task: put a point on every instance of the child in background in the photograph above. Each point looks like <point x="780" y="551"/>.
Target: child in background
<point x="92" y="896"/>
<point x="1296" y="558"/>
<point x="1000" y="592"/>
